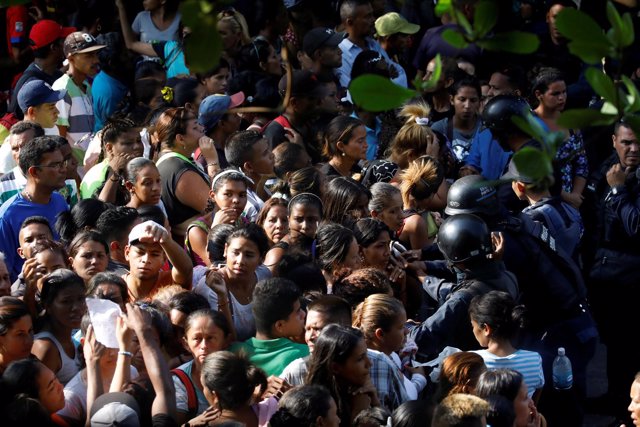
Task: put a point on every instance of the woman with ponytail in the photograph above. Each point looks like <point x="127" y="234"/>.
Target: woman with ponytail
<point x="229" y="381"/>
<point x="415" y="138"/>
<point x="424" y="192"/>
<point x="496" y="320"/>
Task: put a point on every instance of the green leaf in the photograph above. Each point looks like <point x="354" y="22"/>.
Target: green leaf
<point x="376" y="93"/>
<point x="426" y="85"/>
<point x="512" y="42"/>
<point x="609" y="108"/>
<point x="584" y="117"/>
<point x="443" y="6"/>
<point x="615" y="34"/>
<point x="454" y="38"/>
<point x="602" y="84"/>
<point x="576" y="25"/>
<point x="628" y="31"/>
<point x="463" y="22"/>
<point x="533" y="163"/>
<point x="634" y="121"/>
<point x="202" y="48"/>
<point x="591" y="53"/>
<point x="485" y="17"/>
<point x="633" y="97"/>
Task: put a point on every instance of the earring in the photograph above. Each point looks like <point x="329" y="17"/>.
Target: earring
<point x="343" y="154"/>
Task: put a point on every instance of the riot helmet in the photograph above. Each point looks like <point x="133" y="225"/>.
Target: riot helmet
<point x="464" y="238"/>
<point x="472" y="194"/>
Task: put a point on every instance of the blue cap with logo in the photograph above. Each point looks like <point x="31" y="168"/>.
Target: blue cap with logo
<point x="37" y="92"/>
<point x="214" y="107"/>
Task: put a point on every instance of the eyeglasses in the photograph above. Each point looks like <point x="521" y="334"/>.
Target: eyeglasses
<point x="56" y="165"/>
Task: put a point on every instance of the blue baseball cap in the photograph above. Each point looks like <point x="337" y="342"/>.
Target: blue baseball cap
<point x="37" y="92"/>
<point x="213" y="107"/>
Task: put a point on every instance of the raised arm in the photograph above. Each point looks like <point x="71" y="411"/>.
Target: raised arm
<point x="130" y="39"/>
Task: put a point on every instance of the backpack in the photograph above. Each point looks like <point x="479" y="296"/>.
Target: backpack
<point x="192" y="397"/>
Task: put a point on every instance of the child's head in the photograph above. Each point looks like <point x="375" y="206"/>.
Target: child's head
<point x="205" y="332"/>
<point x="336" y="248"/>
<point x="109" y="286"/>
<point x="143" y="181"/>
<point x="62" y="296"/>
<point x="245" y="251"/>
<point x="323" y="311"/>
<point x="373" y="237"/>
<point x="459" y="374"/>
<point x="305" y="213"/>
<point x="346" y="199"/>
<point x="88" y="254"/>
<point x="495" y="317"/>
<point x="250" y="152"/>
<point x="339" y="360"/>
<point x="274" y="218"/>
<point x="381" y="318"/>
<point x="229" y="190"/>
<point x="33" y="230"/>
<point x="276" y="308"/>
<point x="357" y="286"/>
<point x="386" y="205"/>
<point x="229" y="380"/>
<point x="307" y="405"/>
<point x="50" y="256"/>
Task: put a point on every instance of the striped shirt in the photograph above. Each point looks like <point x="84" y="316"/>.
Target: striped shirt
<point x="528" y="363"/>
<point x="15" y="181"/>
<point x="76" y="110"/>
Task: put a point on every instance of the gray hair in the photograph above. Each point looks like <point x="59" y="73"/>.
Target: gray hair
<point x="381" y="193"/>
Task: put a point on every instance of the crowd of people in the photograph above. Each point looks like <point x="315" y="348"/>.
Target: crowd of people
<point x="249" y="246"/>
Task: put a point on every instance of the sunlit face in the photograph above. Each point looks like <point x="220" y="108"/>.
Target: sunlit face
<point x="263" y="159"/>
<point x="194" y="131"/>
<point x="46" y="115"/>
<point x="355" y="370"/>
<point x="555" y="97"/>
<point x="478" y="333"/>
<point x="466" y="103"/>
<point x="627" y="146"/>
<point x="49" y="261"/>
<point x="634" y="406"/>
<point x="203" y="337"/>
<point x="68" y="307"/>
<point x="16" y="343"/>
<point x="522" y="406"/>
<point x="90" y="260"/>
<point x="148" y="186"/>
<point x="16" y="142"/>
<point x="356" y="148"/>
<point x="31" y="235"/>
<point x="145" y="260"/>
<point x="276" y="223"/>
<point x="243" y="258"/>
<point x="313" y="326"/>
<point x="392" y="215"/>
<point x="129" y="143"/>
<point x="231" y="194"/>
<point x="377" y="253"/>
<point x="52" y="170"/>
<point x="50" y="390"/>
<point x="217" y="84"/>
<point x="393" y="339"/>
<point x="303" y="221"/>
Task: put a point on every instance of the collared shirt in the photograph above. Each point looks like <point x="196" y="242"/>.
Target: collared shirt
<point x="349" y="53"/>
<point x="76" y="110"/>
<point x="387" y="380"/>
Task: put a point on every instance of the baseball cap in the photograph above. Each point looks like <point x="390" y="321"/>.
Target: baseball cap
<point x="213" y="107"/>
<point x="393" y="23"/>
<point x="37" y="92"/>
<point x="320" y="37"/>
<point x="303" y="83"/>
<point x="80" y="42"/>
<point x="117" y="408"/>
<point x="140" y="230"/>
<point x="46" y="31"/>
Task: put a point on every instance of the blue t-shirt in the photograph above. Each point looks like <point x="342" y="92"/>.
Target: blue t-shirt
<point x="12" y="214"/>
<point x="107" y="93"/>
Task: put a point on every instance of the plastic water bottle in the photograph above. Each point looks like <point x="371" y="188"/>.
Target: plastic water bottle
<point x="562" y="373"/>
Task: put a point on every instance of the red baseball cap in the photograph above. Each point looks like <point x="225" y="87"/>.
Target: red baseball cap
<point x="46" y="32"/>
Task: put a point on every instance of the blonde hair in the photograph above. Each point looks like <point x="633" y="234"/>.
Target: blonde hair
<point x="421" y="179"/>
<point x="413" y="138"/>
<point x="237" y="22"/>
<point x="376" y="311"/>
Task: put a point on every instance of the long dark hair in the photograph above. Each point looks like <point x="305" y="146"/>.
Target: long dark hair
<point x="335" y="344"/>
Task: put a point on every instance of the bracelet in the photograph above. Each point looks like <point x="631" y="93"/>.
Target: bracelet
<point x="125" y="353"/>
<point x="116" y="176"/>
<point x="212" y="164"/>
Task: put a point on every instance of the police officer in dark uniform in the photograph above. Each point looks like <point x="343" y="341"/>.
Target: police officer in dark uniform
<point x="551" y="284"/>
<point x="466" y="243"/>
<point x="612" y="218"/>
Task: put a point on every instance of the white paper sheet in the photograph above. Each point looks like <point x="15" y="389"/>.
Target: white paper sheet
<point x="104" y="315"/>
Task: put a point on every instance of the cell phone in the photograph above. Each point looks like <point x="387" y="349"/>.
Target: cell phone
<point x="397" y="249"/>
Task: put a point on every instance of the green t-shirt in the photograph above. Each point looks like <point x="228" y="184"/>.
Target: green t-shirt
<point x="272" y="356"/>
<point x="93" y="179"/>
